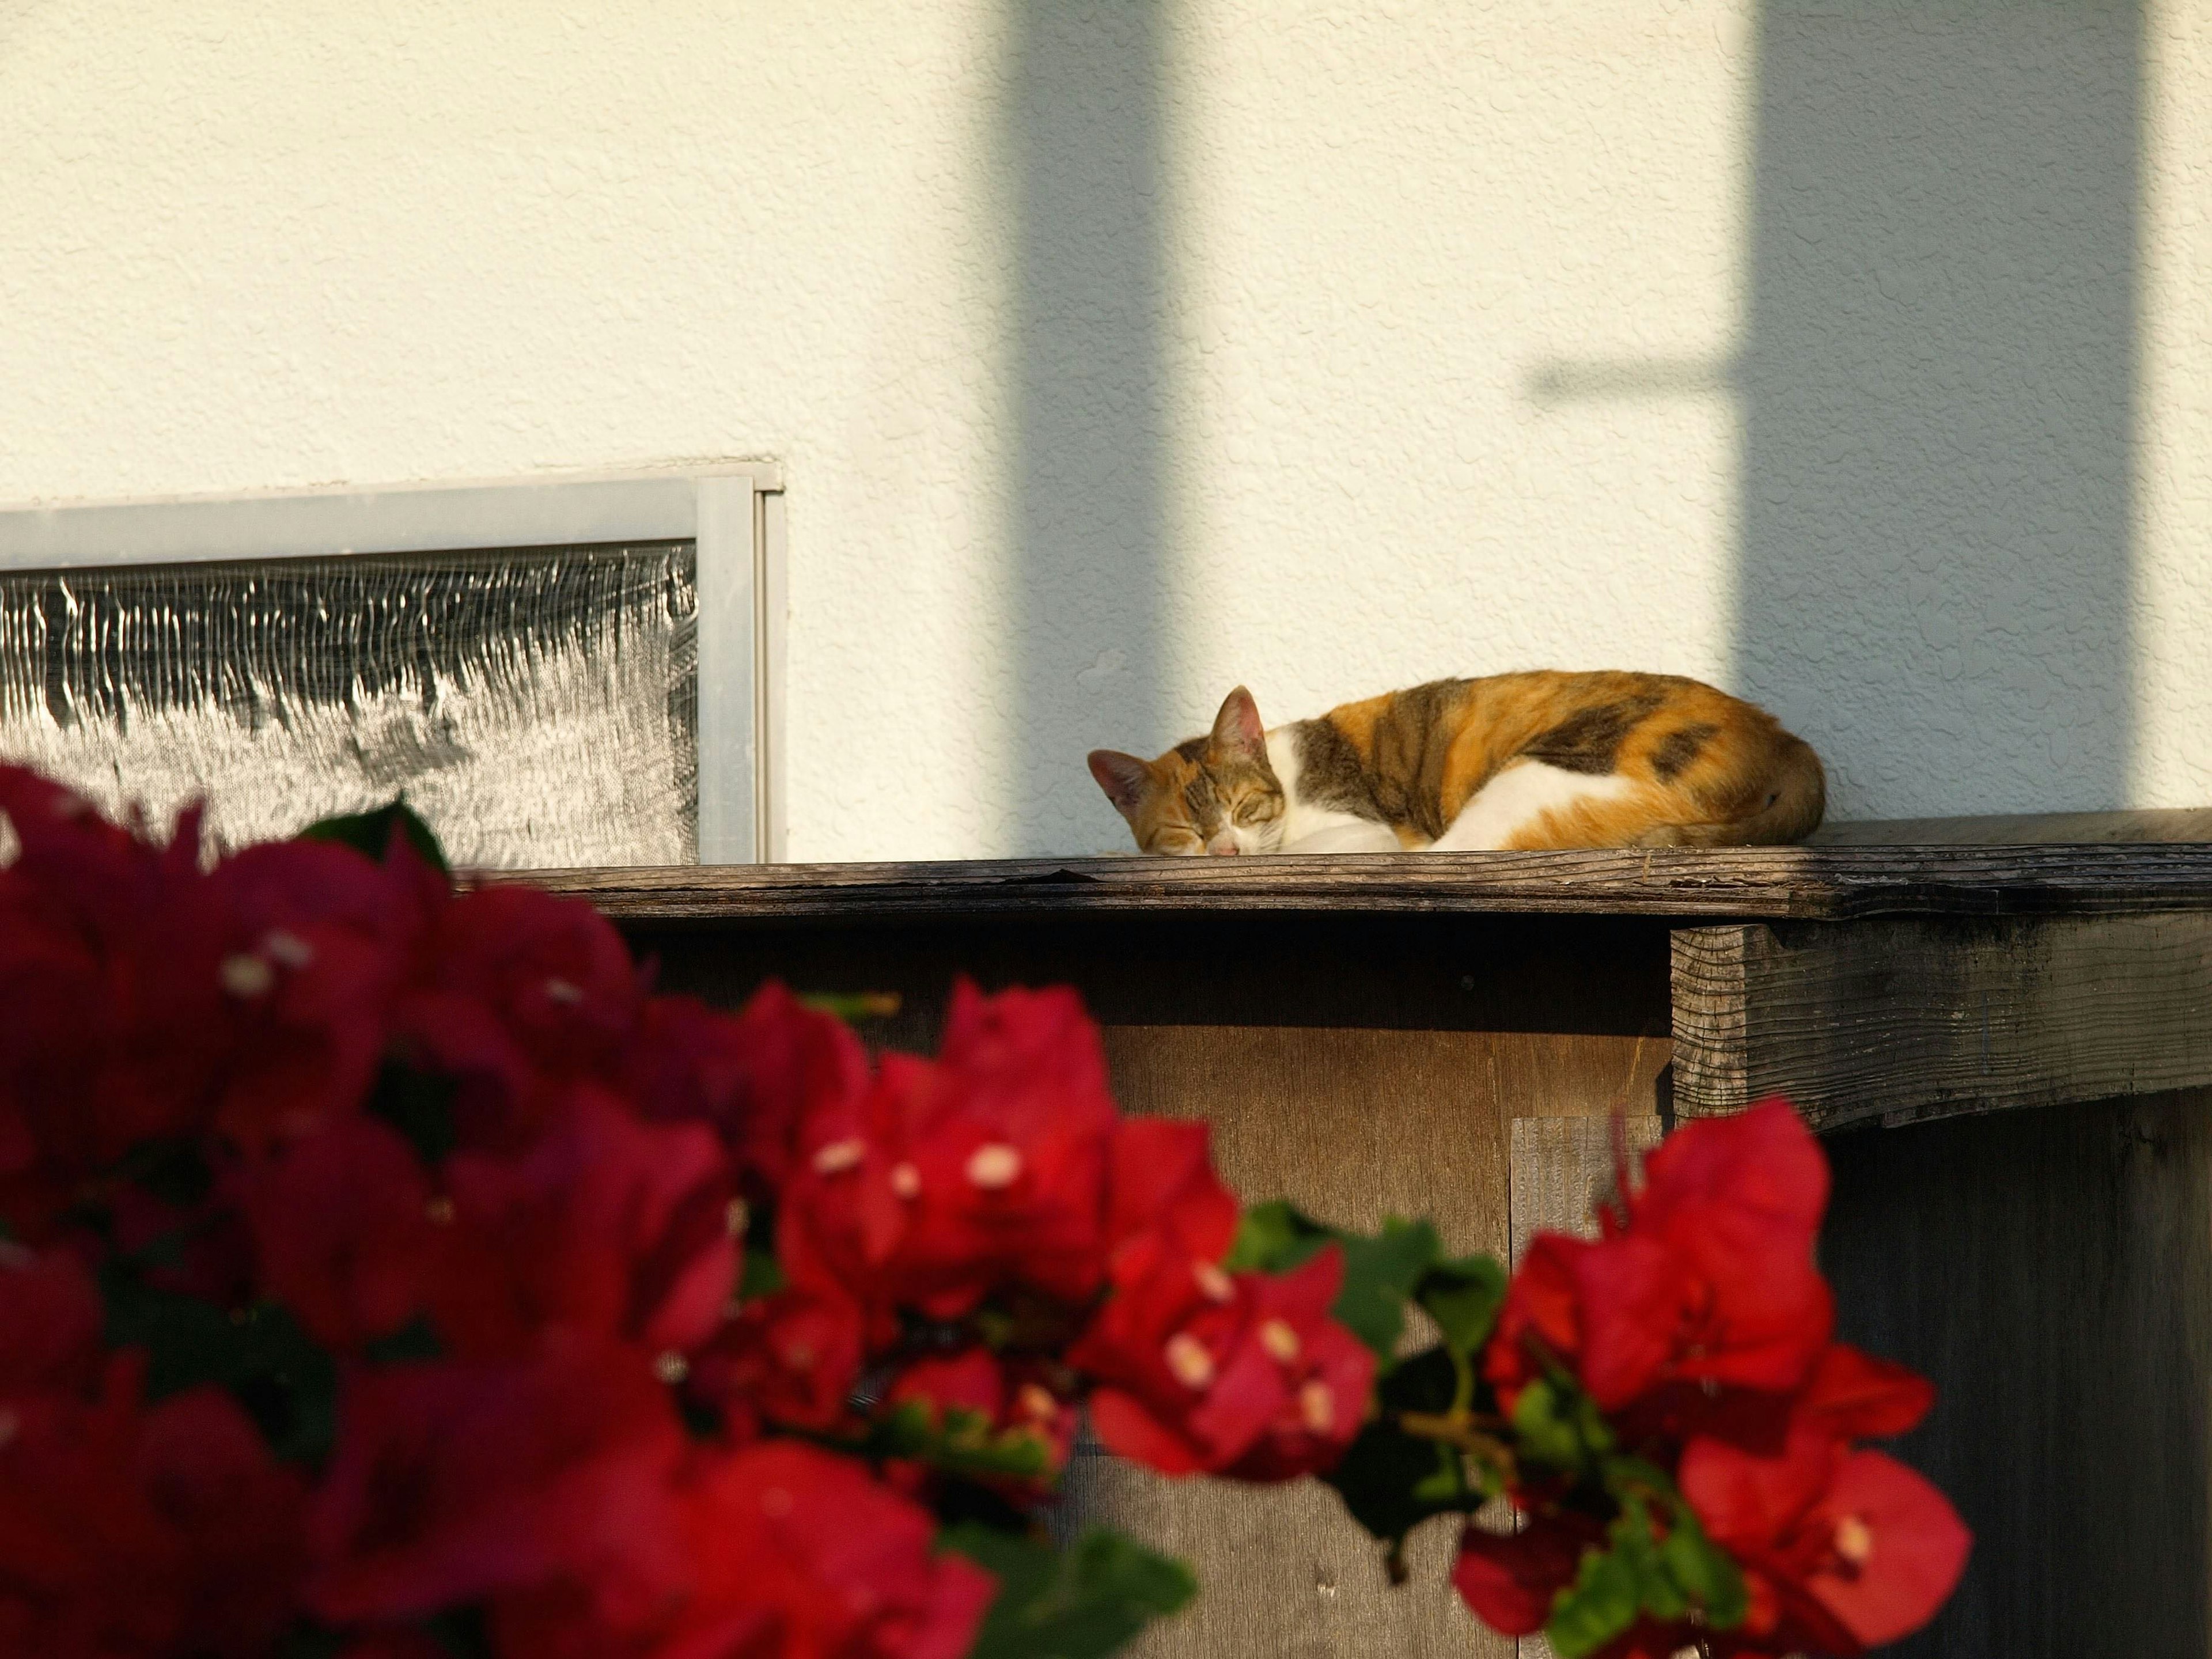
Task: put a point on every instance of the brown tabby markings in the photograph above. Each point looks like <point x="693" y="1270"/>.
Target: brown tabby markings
<point x="1696" y="767"/>
<point x="1677" y="749"/>
<point x="1589" y="740"/>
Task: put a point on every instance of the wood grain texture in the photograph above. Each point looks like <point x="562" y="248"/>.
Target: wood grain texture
<point x="1562" y="1166"/>
<point x="1771" y="882"/>
<point x="1899" y="1019"/>
<point x="2050" y="1270"/>
<point x="2169" y="823"/>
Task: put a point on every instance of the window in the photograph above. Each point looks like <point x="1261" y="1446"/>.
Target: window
<point x="576" y="671"/>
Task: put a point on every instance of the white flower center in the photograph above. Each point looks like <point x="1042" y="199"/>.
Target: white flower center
<point x="1854" y="1539"/>
<point x="246" y="977"/>
<point x="1213" y="1285"/>
<point x="1317" y="1407"/>
<point x="1188" y="1362"/>
<point x="994" y="1166"/>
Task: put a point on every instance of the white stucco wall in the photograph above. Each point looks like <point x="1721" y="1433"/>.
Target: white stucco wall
<point x="1853" y="357"/>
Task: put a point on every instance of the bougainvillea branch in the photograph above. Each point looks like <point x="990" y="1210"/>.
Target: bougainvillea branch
<point x="386" y="1272"/>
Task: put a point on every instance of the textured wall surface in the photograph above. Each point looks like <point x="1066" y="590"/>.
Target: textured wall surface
<point x="1854" y="355"/>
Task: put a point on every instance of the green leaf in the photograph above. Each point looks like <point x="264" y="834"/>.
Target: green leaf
<point x="1640" y="1573"/>
<point x="1379" y="1276"/>
<point x="1083" y="1603"/>
<point x="1273" y="1238"/>
<point x="370" y="833"/>
<point x="854" y="1006"/>
<point x="175" y="1172"/>
<point x="1556" y="1423"/>
<point x="1463" y="1297"/>
<point x="1391" y="1481"/>
<point x="1707" y="1575"/>
<point x="762" y="1275"/>
<point x="1604" y="1601"/>
<point x="465" y="1632"/>
<point x="419" y="1106"/>
<point x="415" y="1341"/>
<point x="961" y="1442"/>
<point x="287" y="1384"/>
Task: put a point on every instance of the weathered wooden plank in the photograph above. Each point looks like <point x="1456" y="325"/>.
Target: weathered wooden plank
<point x="1562" y="1166"/>
<point x="1905" y="1018"/>
<point x="2050" y="1270"/>
<point x="1772" y="882"/>
<point x="2169" y="823"/>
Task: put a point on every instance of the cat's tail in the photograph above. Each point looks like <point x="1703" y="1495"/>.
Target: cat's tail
<point x="1787" y="808"/>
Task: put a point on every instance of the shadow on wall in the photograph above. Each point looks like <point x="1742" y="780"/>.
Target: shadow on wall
<point x="1938" y="386"/>
<point x="1085" y="152"/>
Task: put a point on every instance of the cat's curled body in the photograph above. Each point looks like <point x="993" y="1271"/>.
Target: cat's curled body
<point x="1526" y="761"/>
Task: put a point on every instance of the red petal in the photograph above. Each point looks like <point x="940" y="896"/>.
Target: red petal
<point x="1629" y="1291"/>
<point x="1763" y="1160"/>
<point x="1918" y="1549"/>
<point x="1855" y="1395"/>
<point x="1511" y="1579"/>
<point x="1128" y="1430"/>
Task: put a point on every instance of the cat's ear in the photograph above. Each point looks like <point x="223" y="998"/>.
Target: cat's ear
<point x="1236" y="728"/>
<point x="1123" y="777"/>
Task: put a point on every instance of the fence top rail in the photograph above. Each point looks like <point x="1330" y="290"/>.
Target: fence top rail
<point x="1815" y="883"/>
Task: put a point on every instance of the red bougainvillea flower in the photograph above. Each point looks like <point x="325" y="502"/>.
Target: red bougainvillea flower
<point x="342" y="1231"/>
<point x="208" y="1473"/>
<point x="1852" y="1395"/>
<point x="790" y="1358"/>
<point x="452" y="1480"/>
<point x="1324" y="1372"/>
<point x="986" y="1166"/>
<point x="50" y="1321"/>
<point x="984" y="1404"/>
<point x="1710" y="1281"/>
<point x="1161" y="1180"/>
<point x="128" y="1532"/>
<point x="751" y="1077"/>
<point x="1842" y="1549"/>
<point x="109" y="953"/>
<point x="826" y="1561"/>
<point x="517" y="993"/>
<point x="792" y="1553"/>
<point x="1510" y="1579"/>
<point x="317" y="937"/>
<point x="148" y="1000"/>
<point x="608" y="1226"/>
<point x="1242" y="1374"/>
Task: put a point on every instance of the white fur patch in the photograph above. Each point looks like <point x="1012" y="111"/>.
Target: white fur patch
<point x="1361" y="836"/>
<point x="1517" y="797"/>
<point x="1309" y="829"/>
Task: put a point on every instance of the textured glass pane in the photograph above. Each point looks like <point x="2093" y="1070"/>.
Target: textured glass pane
<point x="539" y="706"/>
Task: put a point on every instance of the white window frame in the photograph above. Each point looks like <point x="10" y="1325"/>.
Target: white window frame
<point x="732" y="512"/>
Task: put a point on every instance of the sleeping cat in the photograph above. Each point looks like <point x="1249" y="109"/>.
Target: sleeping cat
<point x="1536" y="760"/>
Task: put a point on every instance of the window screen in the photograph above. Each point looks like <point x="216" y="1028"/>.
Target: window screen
<point x="538" y="706"/>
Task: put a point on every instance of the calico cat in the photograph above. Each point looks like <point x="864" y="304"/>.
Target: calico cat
<point x="1529" y="761"/>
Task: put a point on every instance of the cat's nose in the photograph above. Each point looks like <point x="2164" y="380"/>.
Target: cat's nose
<point x="1223" y="846"/>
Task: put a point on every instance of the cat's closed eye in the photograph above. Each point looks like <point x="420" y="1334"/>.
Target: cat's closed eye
<point x="1257" y="809"/>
